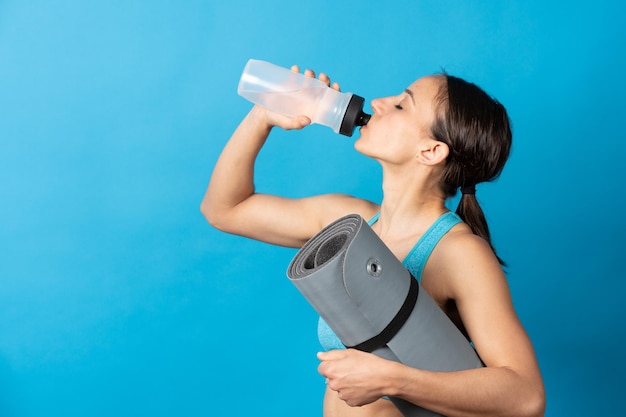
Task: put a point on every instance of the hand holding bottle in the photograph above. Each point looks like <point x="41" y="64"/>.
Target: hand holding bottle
<point x="293" y="94"/>
<point x="297" y="122"/>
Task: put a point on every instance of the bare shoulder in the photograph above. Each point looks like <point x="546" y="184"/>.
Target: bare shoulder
<point x="467" y="271"/>
<point x="461" y="254"/>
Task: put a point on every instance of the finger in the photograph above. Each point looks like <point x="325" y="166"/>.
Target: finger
<point x="321" y="371"/>
<point x="330" y="355"/>
<point x="295" y="68"/>
<point x="324" y="78"/>
<point x="309" y="73"/>
<point x="336" y="86"/>
<point x="302" y="121"/>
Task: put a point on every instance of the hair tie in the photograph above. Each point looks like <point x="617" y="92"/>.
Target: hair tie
<point x="468" y="189"/>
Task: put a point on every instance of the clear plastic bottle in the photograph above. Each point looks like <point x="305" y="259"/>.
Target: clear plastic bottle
<point x="293" y="94"/>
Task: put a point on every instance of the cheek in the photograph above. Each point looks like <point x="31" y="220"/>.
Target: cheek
<point x="390" y="142"/>
<point x="371" y="141"/>
<point x="381" y="149"/>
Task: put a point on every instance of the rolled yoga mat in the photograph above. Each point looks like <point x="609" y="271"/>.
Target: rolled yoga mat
<point x="371" y="301"/>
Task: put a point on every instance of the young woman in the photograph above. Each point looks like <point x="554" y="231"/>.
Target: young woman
<point x="438" y="135"/>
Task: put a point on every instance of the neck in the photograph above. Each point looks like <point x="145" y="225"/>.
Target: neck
<point x="410" y="200"/>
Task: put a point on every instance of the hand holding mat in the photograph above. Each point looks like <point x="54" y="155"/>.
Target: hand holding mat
<point x="371" y="301"/>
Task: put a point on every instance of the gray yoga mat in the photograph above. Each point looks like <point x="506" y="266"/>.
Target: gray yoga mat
<point x="371" y="301"/>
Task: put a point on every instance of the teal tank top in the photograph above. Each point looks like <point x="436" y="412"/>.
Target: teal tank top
<point x="414" y="262"/>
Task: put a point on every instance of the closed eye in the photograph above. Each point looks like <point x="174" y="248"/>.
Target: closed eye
<point x="399" y="107"/>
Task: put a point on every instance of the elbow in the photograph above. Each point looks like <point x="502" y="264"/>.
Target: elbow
<point x="213" y="215"/>
<point x="535" y="404"/>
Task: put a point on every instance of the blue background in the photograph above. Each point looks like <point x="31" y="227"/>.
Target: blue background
<point x="116" y="297"/>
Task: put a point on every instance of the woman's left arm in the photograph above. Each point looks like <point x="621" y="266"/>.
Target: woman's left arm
<point x="509" y="385"/>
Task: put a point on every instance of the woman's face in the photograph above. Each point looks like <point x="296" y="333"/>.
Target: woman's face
<point x="400" y="123"/>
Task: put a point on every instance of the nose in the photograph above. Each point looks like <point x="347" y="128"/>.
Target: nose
<point x="377" y="105"/>
<point x="380" y="104"/>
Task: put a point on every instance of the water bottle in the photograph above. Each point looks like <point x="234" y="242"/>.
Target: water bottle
<point x="293" y="94"/>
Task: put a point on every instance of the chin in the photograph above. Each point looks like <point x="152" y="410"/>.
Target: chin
<point x="361" y="147"/>
<point x="358" y="145"/>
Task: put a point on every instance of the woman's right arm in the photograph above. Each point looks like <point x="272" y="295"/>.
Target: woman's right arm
<point x="231" y="203"/>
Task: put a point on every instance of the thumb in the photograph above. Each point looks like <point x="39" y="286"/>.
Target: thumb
<point x="330" y="355"/>
<point x="303" y="121"/>
<point x="295" y="123"/>
<point x="323" y="356"/>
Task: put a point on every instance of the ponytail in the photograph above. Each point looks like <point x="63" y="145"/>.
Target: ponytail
<point x="477" y="130"/>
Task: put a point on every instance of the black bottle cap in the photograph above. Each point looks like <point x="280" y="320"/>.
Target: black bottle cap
<point x="354" y="116"/>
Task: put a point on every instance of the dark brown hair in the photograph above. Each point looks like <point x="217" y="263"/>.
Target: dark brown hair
<point x="477" y="130"/>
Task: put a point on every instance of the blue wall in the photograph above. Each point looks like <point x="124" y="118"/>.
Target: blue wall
<point x="116" y="298"/>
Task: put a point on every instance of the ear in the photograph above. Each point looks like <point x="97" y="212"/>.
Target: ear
<point x="433" y="152"/>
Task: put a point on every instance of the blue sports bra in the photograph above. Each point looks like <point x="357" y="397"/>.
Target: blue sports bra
<point x="414" y="262"/>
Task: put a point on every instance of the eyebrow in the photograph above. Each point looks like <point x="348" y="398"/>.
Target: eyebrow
<point x="410" y="93"/>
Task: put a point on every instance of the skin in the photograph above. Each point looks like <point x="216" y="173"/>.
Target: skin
<point x="462" y="274"/>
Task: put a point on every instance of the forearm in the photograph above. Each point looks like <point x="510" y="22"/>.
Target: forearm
<point x="489" y="391"/>
<point x="232" y="180"/>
